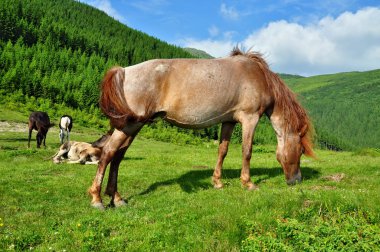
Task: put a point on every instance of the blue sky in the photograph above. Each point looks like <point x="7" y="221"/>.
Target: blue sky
<point x="296" y="37"/>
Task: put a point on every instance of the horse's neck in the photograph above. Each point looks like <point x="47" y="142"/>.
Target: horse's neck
<point x="280" y="123"/>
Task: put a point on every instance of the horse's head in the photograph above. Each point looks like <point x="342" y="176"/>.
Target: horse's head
<point x="40" y="137"/>
<point x="289" y="152"/>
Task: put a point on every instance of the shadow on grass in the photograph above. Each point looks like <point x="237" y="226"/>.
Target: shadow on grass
<point x="192" y="181"/>
<point x="17" y="139"/>
<point x="133" y="158"/>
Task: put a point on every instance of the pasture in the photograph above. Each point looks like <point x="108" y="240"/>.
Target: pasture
<point x="172" y="205"/>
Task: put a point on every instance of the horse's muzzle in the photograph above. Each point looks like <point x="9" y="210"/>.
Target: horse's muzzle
<point x="297" y="178"/>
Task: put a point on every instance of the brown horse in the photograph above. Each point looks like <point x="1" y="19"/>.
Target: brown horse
<point x="196" y="93"/>
<point x="39" y="121"/>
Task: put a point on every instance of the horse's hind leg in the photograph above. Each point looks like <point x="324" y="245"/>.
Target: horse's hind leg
<point x="116" y="141"/>
<point x="109" y="150"/>
<point x="61" y="136"/>
<point x="111" y="190"/>
<point x="225" y="136"/>
<point x="249" y="123"/>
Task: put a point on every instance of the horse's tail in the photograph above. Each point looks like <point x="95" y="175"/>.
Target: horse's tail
<point x="113" y="101"/>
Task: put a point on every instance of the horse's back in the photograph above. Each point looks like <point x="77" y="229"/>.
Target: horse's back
<point x="39" y="118"/>
<point x="194" y="92"/>
<point x="65" y="122"/>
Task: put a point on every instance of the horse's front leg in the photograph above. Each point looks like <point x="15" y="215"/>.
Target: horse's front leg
<point x="29" y="136"/>
<point x="108" y="152"/>
<point x="225" y="136"/>
<point x="249" y="123"/>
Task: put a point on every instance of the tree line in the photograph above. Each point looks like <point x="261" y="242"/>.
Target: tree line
<point x="60" y="50"/>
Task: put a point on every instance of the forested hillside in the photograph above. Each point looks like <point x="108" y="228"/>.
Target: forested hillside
<point x="345" y="107"/>
<point x="58" y="52"/>
<point x="61" y="49"/>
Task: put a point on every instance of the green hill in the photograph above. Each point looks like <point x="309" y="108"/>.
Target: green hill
<point x="198" y="53"/>
<point x="345" y="107"/>
<point x="60" y="50"/>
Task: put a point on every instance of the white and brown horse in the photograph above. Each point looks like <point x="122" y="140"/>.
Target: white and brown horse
<point x="196" y="93"/>
<point x="81" y="152"/>
<point x="65" y="126"/>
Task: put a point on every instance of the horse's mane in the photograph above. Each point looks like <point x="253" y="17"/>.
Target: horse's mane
<point x="294" y="114"/>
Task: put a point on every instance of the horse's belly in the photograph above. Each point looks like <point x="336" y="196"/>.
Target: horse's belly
<point x="193" y="118"/>
<point x="72" y="155"/>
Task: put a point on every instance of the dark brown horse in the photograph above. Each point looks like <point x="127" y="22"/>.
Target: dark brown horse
<point x="39" y="121"/>
<point x="196" y="93"/>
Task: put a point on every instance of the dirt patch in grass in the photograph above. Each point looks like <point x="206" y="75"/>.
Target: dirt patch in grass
<point x="335" y="177"/>
<point x="13" y="127"/>
<point x="318" y="187"/>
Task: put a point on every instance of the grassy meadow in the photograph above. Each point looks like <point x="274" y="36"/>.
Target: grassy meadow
<point x="172" y="205"/>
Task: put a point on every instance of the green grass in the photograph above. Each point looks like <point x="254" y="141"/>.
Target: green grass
<point x="172" y="205"/>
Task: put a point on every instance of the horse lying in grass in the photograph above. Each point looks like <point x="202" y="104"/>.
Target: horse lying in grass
<point x="197" y="93"/>
<point x="81" y="152"/>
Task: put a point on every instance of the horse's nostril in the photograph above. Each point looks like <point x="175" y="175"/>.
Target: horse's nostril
<point x="291" y="182"/>
<point x="297" y="179"/>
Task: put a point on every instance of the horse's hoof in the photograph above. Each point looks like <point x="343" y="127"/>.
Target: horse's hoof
<point x="119" y="203"/>
<point x="218" y="185"/>
<point x="251" y="186"/>
<point x="98" y="205"/>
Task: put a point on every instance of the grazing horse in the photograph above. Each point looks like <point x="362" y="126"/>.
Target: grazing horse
<point x="81" y="152"/>
<point x="197" y="93"/>
<point x="65" y="126"/>
<point x="39" y="121"/>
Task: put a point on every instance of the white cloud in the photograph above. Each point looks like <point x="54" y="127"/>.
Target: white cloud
<point x="349" y="42"/>
<point x="150" y="6"/>
<point x="213" y="47"/>
<point x="106" y="6"/>
<point x="229" y="12"/>
<point x="213" y="31"/>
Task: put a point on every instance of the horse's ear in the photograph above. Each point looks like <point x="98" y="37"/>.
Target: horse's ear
<point x="303" y="131"/>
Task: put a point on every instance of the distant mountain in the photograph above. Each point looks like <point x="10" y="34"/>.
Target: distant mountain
<point x="198" y="53"/>
<point x="290" y="76"/>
